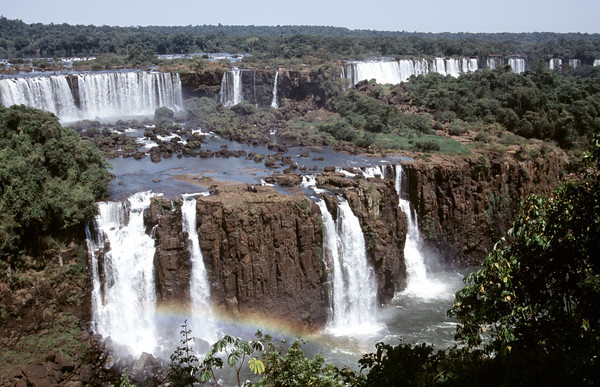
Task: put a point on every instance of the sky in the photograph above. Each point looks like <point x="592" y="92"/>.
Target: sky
<point x="387" y="15"/>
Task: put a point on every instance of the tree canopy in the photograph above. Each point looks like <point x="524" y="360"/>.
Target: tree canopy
<point x="49" y="179"/>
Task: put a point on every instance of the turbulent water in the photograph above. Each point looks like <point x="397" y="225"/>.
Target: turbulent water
<point x="418" y="282"/>
<point x="231" y="88"/>
<point x="123" y="303"/>
<point x="517" y="65"/>
<point x="354" y="287"/>
<point x="123" y="281"/>
<point x="395" y="72"/>
<point x="92" y="96"/>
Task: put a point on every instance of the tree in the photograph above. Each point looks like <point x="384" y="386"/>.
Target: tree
<point x="538" y="293"/>
<point x="49" y="180"/>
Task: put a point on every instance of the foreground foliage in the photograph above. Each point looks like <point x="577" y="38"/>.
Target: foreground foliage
<point x="538" y="294"/>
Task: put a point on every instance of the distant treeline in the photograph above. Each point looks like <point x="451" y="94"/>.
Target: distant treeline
<point x="22" y="40"/>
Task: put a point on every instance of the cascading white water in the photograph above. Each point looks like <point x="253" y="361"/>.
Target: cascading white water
<point x="472" y="65"/>
<point x="129" y="93"/>
<point x="517" y="65"/>
<point x="596" y="62"/>
<point x="395" y="72"/>
<point x="381" y="71"/>
<point x="95" y="95"/>
<point x="376" y="171"/>
<point x="574" y="63"/>
<point x="310" y="182"/>
<point x="274" y="103"/>
<point x="231" y="88"/>
<point x="439" y="66"/>
<point x="354" y="287"/>
<point x="47" y="93"/>
<point x="492" y="63"/>
<point x="124" y="303"/>
<point x="418" y="283"/>
<point x="555" y="63"/>
<point x="202" y="323"/>
<point x="453" y="67"/>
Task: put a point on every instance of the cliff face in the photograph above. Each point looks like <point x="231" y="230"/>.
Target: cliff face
<point x="465" y="205"/>
<point x="201" y="83"/>
<point x="257" y="86"/>
<point x="172" y="266"/>
<point x="263" y="255"/>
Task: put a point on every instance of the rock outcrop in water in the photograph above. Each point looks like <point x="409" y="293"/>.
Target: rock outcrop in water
<point x="264" y="251"/>
<point x="263" y="255"/>
<point x="171" y="259"/>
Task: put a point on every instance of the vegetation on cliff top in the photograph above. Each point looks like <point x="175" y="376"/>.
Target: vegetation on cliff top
<point x="49" y="182"/>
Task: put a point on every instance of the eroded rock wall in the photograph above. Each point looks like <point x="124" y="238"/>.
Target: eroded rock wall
<point x="263" y="255"/>
<point x="465" y="205"/>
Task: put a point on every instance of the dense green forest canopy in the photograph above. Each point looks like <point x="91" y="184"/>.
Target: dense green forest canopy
<point x="49" y="181"/>
<point x="19" y="39"/>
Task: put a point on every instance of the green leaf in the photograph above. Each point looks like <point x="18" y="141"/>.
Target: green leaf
<point x="256" y="366"/>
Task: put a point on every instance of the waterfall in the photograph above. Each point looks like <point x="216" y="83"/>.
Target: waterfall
<point x="395" y="72"/>
<point x="202" y="323"/>
<point x="89" y="96"/>
<point x="123" y="303"/>
<point x="381" y="71"/>
<point x="452" y="67"/>
<point x="274" y="103"/>
<point x="596" y="62"/>
<point x="492" y="63"/>
<point x="377" y="171"/>
<point x="231" y="88"/>
<point x="354" y="287"/>
<point x="473" y="65"/>
<point x="310" y="182"/>
<point x="439" y="66"/>
<point x="555" y="64"/>
<point x="418" y="283"/>
<point x="574" y="63"/>
<point x="130" y="93"/>
<point x="95" y="95"/>
<point x="51" y="93"/>
<point x="517" y="65"/>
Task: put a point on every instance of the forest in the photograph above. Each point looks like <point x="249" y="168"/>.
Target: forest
<point x="311" y="43"/>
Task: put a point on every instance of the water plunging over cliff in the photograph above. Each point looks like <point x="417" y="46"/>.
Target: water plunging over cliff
<point x="517" y="65"/>
<point x="354" y="288"/>
<point x="555" y="64"/>
<point x="418" y="283"/>
<point x="202" y="323"/>
<point x="574" y="63"/>
<point x="123" y="294"/>
<point x="274" y="103"/>
<point x="91" y="96"/>
<point x="395" y="72"/>
<point x="231" y="88"/>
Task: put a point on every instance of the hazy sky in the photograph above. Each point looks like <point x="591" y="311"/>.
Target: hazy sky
<point x="390" y="15"/>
